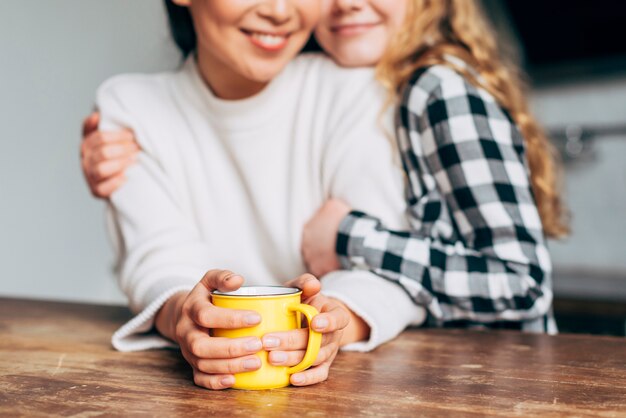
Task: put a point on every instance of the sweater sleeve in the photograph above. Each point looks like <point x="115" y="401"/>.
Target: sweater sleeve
<point x="385" y="307"/>
<point x="160" y="252"/>
<point x="476" y="253"/>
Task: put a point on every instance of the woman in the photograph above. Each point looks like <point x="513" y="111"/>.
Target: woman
<point x="238" y="148"/>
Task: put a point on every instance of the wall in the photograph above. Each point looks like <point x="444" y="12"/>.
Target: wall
<point x="55" y="54"/>
<point x="592" y="262"/>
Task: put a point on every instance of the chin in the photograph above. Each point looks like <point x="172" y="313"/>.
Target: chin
<point x="261" y="72"/>
<point x="357" y="60"/>
<point x="358" y="53"/>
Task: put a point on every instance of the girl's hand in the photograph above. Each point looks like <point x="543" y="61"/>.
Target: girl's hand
<point x="187" y="318"/>
<point x="288" y="348"/>
<point x="319" y="238"/>
<point x="105" y="156"/>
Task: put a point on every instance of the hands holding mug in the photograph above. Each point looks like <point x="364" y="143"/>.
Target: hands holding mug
<point x="287" y="348"/>
<point x="187" y="319"/>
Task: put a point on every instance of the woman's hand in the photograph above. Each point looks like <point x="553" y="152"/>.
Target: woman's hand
<point x="187" y="318"/>
<point x="105" y="156"/>
<point x="288" y="348"/>
<point x="319" y="238"/>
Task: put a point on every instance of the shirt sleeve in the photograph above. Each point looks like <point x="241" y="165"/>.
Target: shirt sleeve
<point x="476" y="251"/>
<point x="159" y="250"/>
<point x="356" y="126"/>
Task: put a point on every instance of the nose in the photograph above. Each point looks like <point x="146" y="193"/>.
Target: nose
<point x="278" y="11"/>
<point x="347" y="5"/>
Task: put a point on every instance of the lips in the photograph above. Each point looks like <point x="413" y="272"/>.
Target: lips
<point x="268" y="41"/>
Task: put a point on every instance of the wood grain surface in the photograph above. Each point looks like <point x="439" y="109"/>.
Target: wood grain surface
<point x="56" y="359"/>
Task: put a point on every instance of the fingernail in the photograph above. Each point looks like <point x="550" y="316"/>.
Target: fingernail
<point x="227" y="380"/>
<point x="230" y="277"/>
<point x="297" y="378"/>
<point x="278" y="357"/>
<point x="254" y="345"/>
<point x="271" y="342"/>
<point x="320" y="323"/>
<point x="251" y="364"/>
<point x="252" y="319"/>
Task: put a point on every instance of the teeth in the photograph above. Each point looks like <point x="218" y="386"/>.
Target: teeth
<point x="269" y="40"/>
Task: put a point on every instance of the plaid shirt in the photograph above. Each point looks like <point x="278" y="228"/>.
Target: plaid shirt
<point x="476" y="253"/>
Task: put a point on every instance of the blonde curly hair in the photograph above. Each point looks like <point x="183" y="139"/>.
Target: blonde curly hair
<point x="435" y="29"/>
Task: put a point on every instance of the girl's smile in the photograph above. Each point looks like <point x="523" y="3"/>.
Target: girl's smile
<point x="351" y="29"/>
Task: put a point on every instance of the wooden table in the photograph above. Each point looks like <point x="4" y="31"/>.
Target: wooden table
<point x="56" y="359"/>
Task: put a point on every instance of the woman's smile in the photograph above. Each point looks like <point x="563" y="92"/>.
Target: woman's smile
<point x="268" y="41"/>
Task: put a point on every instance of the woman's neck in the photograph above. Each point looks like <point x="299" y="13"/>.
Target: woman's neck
<point x="224" y="82"/>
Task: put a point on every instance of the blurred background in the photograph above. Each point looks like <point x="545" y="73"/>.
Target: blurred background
<point x="54" y="55"/>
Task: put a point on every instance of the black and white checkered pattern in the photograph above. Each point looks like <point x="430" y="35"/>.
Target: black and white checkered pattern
<point x="476" y="253"/>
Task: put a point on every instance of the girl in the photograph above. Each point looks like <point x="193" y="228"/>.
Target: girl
<point x="481" y="180"/>
<point x="238" y="148"/>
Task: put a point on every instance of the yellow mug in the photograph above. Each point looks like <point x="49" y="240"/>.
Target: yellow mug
<point x="280" y="309"/>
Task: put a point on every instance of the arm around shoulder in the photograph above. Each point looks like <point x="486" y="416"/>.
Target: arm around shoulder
<point x="476" y="252"/>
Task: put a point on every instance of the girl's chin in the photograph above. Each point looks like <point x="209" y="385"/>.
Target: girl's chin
<point x="354" y="52"/>
<point x="357" y="60"/>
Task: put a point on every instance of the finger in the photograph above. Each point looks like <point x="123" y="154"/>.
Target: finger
<point x="309" y="285"/>
<point x="229" y="366"/>
<point x="285" y="358"/>
<point x="115" y="150"/>
<point x="222" y="280"/>
<point x="333" y="318"/>
<point x="108" y="168"/>
<point x="287" y="340"/>
<point x="202" y="346"/>
<point x="105" y="188"/>
<point x="291" y="358"/>
<point x="327" y="353"/>
<point x="207" y="315"/>
<point x="296" y="339"/>
<point x="86" y="146"/>
<point x="122" y="135"/>
<point x="213" y="381"/>
<point x="90" y="123"/>
<point x="311" y="376"/>
<point x="99" y="138"/>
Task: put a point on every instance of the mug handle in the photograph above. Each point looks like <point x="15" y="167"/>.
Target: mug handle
<point x="315" y="338"/>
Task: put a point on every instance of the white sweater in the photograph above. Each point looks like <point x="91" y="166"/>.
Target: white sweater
<point x="230" y="184"/>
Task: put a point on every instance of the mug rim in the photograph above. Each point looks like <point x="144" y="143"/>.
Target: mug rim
<point x="274" y="292"/>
